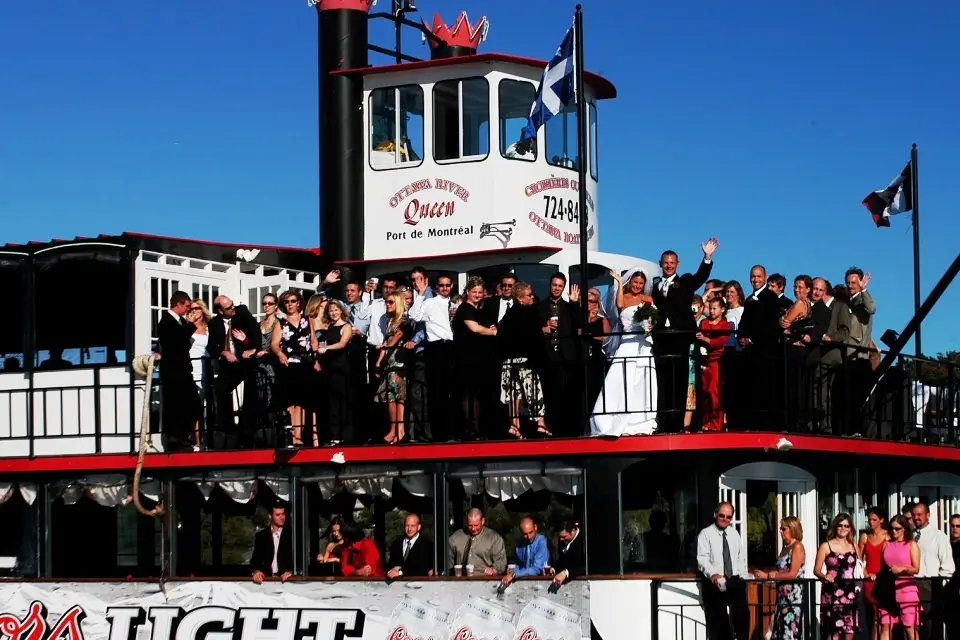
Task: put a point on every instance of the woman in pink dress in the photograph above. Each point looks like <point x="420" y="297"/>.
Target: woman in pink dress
<point x="901" y="556"/>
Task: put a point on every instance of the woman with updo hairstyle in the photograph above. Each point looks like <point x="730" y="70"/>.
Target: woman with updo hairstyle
<point x="788" y="612"/>
<point x="472" y="342"/>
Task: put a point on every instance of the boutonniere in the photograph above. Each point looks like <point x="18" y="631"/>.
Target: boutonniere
<point x="675" y="284"/>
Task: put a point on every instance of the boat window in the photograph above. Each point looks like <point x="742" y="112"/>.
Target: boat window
<point x="515" y="98"/>
<point x="536" y="275"/>
<point x="660" y="522"/>
<point x="461" y="120"/>
<point x="11" y="338"/>
<point x="18" y="539"/>
<point x="594" y="171"/>
<point x="561" y="145"/>
<point x="396" y="127"/>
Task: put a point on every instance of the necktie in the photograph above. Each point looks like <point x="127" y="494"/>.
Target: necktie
<point x="727" y="560"/>
<point x="406" y="548"/>
<point x="229" y="345"/>
<point x="352" y="309"/>
<point x="917" y="537"/>
<point x="466" y="551"/>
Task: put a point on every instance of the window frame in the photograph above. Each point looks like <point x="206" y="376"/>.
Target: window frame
<point x="396" y="123"/>
<point x="536" y="139"/>
<point x="570" y="109"/>
<point x="461" y="159"/>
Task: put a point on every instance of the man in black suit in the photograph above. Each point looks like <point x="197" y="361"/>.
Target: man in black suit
<point x="569" y="563"/>
<point x="233" y="344"/>
<point x="410" y="554"/>
<point x="562" y="369"/>
<point x="273" y="549"/>
<point x="181" y="407"/>
<point x="672" y="338"/>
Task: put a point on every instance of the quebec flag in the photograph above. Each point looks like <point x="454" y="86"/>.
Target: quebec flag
<point x="557" y="87"/>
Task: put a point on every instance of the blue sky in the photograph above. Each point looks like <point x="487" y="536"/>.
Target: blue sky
<point x="763" y="123"/>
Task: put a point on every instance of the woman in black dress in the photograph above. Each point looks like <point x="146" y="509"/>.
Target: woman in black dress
<point x="335" y="365"/>
<point x="472" y="342"/>
<point x="295" y="345"/>
<point x="598" y="328"/>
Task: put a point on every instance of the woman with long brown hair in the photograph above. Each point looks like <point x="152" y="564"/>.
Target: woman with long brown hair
<point x="836" y="566"/>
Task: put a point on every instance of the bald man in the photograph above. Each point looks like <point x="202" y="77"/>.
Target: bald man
<point x="531" y="552"/>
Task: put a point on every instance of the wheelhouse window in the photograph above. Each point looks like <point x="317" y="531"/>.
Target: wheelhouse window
<point x="514" y="99"/>
<point x="594" y="171"/>
<point x="461" y="120"/>
<point x="396" y="127"/>
<point x="561" y="145"/>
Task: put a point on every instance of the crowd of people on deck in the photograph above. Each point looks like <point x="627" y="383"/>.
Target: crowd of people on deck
<point x="406" y="361"/>
<point x="897" y="576"/>
<point x="474" y="550"/>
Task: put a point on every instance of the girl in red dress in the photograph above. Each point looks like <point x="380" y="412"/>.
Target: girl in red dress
<point x="713" y="335"/>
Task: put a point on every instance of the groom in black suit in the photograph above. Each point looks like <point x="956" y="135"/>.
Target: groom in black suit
<point x="673" y="295"/>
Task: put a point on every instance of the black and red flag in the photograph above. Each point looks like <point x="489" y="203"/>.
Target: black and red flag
<point x="896" y="198"/>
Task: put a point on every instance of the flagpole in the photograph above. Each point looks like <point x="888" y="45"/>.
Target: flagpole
<point x="584" y="154"/>
<point x="915" y="192"/>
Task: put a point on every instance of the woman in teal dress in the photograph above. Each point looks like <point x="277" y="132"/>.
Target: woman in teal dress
<point x="787" y="616"/>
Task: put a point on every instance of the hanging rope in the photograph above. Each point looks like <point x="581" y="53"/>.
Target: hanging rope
<point x="143" y="366"/>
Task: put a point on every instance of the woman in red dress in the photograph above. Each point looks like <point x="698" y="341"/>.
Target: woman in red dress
<point x="360" y="555"/>
<point x="713" y="335"/>
<point x="870" y="547"/>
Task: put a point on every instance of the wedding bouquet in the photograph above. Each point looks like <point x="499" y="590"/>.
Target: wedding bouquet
<point x="647" y="317"/>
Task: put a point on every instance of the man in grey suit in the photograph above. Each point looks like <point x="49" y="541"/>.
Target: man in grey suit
<point x="858" y="375"/>
<point x="832" y="356"/>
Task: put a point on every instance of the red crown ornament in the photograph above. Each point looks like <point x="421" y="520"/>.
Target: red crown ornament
<point x="461" y="35"/>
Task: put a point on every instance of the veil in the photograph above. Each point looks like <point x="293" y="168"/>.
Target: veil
<point x="610" y="310"/>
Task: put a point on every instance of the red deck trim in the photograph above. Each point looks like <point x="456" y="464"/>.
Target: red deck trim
<point x="478" y="451"/>
<point x="604" y="88"/>
<point x="465" y="254"/>
<point x="238" y="245"/>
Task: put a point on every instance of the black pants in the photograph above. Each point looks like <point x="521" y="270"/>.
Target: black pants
<point x="673" y="371"/>
<point x="339" y="403"/>
<point x="931" y="615"/>
<point x="416" y="407"/>
<point x="439" y="372"/>
<point x="722" y="625"/>
<point x="229" y="377"/>
<point x="560" y="395"/>
<point x="180" y="409"/>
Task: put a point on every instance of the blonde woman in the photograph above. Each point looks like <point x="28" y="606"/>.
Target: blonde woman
<point x="389" y="367"/>
<point x="316" y="314"/>
<point x="787" y="618"/>
<point x="199" y="315"/>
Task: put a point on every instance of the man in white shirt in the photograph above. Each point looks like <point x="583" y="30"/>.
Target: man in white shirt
<point x="506" y="295"/>
<point x="434" y="313"/>
<point x="722" y="562"/>
<point x="936" y="563"/>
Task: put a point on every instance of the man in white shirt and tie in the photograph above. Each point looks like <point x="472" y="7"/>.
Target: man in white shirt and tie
<point x="411" y="554"/>
<point x="506" y="295"/>
<point x="434" y="313"/>
<point x="936" y="564"/>
<point x="722" y="562"/>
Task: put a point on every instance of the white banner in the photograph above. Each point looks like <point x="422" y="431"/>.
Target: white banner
<point x="428" y="610"/>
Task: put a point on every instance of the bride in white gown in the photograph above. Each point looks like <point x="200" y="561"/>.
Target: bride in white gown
<point x="627" y="406"/>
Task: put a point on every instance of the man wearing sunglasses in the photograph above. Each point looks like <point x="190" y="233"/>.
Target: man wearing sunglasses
<point x="722" y="561"/>
<point x="233" y="344"/>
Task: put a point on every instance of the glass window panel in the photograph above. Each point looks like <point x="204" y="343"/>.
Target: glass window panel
<point x="594" y="171"/>
<point x="515" y="99"/>
<point x="561" y="146"/>
<point x="396" y="127"/>
<point x="461" y="119"/>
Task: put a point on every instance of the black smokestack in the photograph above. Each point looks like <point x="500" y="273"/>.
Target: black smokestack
<point x="460" y="40"/>
<point x="342" y="44"/>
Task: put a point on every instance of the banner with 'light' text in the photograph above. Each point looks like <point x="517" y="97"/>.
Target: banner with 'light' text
<point x="428" y="610"/>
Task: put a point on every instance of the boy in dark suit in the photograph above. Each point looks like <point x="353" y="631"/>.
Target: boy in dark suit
<point x="410" y="554"/>
<point x="273" y="549"/>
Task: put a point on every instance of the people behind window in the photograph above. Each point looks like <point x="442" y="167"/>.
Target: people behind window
<point x="360" y="556"/>
<point x="532" y="553"/>
<point x="411" y="554"/>
<point x="333" y="548"/>
<point x="476" y="549"/>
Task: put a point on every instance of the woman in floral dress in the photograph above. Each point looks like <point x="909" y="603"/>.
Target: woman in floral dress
<point x="787" y="617"/>
<point x="835" y="566"/>
<point x="390" y="367"/>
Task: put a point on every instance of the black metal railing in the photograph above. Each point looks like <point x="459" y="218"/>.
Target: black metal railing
<point x="687" y="608"/>
<point x="442" y="392"/>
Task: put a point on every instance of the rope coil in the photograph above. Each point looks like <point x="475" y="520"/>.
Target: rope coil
<point x="143" y="366"/>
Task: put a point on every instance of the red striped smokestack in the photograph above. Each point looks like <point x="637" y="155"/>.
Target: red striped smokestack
<point x="460" y="40"/>
<point x="342" y="44"/>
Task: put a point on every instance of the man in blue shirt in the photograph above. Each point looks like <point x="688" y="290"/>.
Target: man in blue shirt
<point x="532" y="553"/>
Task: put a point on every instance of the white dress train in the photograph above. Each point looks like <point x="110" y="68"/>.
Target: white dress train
<point x="627" y="406"/>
